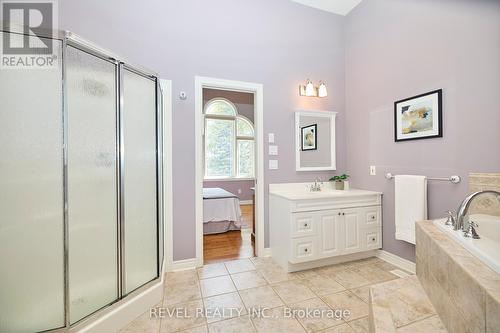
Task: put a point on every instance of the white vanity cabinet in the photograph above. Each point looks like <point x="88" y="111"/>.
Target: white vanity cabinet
<point x="309" y="229"/>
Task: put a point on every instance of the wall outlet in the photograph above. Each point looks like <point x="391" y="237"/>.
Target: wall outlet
<point x="373" y="170"/>
<point x="239" y="191"/>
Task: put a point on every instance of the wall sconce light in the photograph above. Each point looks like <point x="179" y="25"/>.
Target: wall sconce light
<point x="310" y="90"/>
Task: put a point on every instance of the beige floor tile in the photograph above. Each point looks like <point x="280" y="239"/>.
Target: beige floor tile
<point x="181" y="292"/>
<point x="344" y="328"/>
<point x="238" y="266"/>
<point x="360" y="325"/>
<point x="212" y="270"/>
<point x="260" y="262"/>
<point x="362" y="292"/>
<point x="248" y="280"/>
<point x="322" y="285"/>
<point x="350" y="279"/>
<point x="143" y="323"/>
<point x="183" y="316"/>
<point x="186" y="276"/>
<point x="235" y="325"/>
<point x="261" y="297"/>
<point x="374" y="274"/>
<point x="432" y="324"/>
<point x="275" y="274"/>
<point x="216" y="286"/>
<point x="307" y="274"/>
<point x="347" y="301"/>
<point x="199" y="329"/>
<point x="275" y="322"/>
<point x="320" y="316"/>
<point x="331" y="270"/>
<point x="223" y="307"/>
<point x="293" y="291"/>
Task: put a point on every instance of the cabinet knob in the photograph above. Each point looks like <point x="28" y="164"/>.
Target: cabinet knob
<point x="343" y="213"/>
<point x="305" y="250"/>
<point x="305" y="224"/>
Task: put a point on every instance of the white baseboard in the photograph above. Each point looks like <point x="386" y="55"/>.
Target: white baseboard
<point x="123" y="314"/>
<point x="397" y="261"/>
<point x="266" y="252"/>
<point x="246" y="202"/>
<point x="182" y="265"/>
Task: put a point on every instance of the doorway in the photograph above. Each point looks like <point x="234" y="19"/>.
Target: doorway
<point x="229" y="175"/>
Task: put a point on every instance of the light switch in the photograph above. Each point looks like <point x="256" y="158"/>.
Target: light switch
<point x="273" y="164"/>
<point x="271" y="138"/>
<point x="273" y="150"/>
<point x="373" y="170"/>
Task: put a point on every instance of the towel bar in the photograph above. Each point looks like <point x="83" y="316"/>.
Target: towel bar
<point x="454" y="179"/>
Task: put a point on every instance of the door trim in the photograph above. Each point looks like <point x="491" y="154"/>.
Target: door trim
<point x="257" y="89"/>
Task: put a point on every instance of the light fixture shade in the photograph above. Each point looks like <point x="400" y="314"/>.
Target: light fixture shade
<point x="309" y="88"/>
<point x="322" y="90"/>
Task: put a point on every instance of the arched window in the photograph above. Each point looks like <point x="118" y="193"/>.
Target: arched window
<point x="229" y="141"/>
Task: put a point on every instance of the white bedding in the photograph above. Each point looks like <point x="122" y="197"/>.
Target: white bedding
<point x="221" y="209"/>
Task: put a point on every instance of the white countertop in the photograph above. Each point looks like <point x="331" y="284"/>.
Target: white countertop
<point x="300" y="191"/>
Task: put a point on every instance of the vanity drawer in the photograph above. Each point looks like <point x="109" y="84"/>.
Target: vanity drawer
<point x="372" y="216"/>
<point x="373" y="239"/>
<point x="303" y="224"/>
<point x="303" y="249"/>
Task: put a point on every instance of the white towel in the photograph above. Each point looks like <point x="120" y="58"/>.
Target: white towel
<point x="410" y="205"/>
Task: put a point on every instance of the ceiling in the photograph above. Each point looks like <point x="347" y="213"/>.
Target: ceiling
<point x="341" y="7"/>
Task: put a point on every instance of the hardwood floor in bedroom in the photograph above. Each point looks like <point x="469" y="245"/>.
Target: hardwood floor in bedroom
<point x="231" y="244"/>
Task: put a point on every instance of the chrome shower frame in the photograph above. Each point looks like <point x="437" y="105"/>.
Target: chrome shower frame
<point x="69" y="39"/>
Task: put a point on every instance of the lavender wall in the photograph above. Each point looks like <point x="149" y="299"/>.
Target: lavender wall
<point x="397" y="49"/>
<point x="277" y="43"/>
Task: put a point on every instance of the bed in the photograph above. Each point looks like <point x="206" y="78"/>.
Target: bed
<point x="221" y="211"/>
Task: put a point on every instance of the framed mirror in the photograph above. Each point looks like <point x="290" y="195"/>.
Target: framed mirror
<point x="315" y="140"/>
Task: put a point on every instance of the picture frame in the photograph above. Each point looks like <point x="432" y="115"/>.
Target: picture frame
<point x="309" y="137"/>
<point x="419" y="117"/>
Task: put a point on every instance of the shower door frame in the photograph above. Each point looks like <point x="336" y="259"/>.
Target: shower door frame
<point x="69" y="39"/>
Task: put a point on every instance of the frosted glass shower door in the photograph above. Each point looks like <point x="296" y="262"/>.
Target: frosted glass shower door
<point x="92" y="182"/>
<point x="139" y="204"/>
<point x="31" y="199"/>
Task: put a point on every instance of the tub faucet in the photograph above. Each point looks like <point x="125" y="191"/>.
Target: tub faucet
<point x="464" y="207"/>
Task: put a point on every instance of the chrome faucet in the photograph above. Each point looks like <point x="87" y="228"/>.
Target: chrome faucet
<point x="464" y="208"/>
<point x="316" y="187"/>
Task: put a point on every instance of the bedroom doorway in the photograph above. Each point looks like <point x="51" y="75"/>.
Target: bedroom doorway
<point x="229" y="119"/>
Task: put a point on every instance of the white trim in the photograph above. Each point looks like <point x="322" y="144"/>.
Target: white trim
<point x="391" y="258"/>
<point x="258" y="90"/>
<point x="266" y="252"/>
<point x="166" y="87"/>
<point x="125" y="313"/>
<point x="333" y="159"/>
<point x="246" y="202"/>
<point x="227" y="179"/>
<point x="182" y="265"/>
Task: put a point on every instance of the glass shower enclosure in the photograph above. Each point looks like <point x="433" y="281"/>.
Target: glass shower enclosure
<point x="80" y="187"/>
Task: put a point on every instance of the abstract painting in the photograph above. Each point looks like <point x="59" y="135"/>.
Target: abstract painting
<point x="309" y="137"/>
<point x="418" y="117"/>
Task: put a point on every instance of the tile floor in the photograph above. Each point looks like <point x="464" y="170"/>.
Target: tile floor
<point x="247" y="284"/>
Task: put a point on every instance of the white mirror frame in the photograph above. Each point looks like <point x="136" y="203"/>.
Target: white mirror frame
<point x="326" y="114"/>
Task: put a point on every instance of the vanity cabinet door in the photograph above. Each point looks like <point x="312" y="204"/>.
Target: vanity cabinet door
<point x="352" y="220"/>
<point x="331" y="230"/>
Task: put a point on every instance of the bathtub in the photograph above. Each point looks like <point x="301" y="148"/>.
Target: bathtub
<point x="486" y="249"/>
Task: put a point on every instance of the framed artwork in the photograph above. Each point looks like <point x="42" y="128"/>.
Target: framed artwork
<point x="309" y="136"/>
<point x="419" y="117"/>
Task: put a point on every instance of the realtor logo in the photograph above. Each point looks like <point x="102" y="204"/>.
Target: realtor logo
<point x="27" y="30"/>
